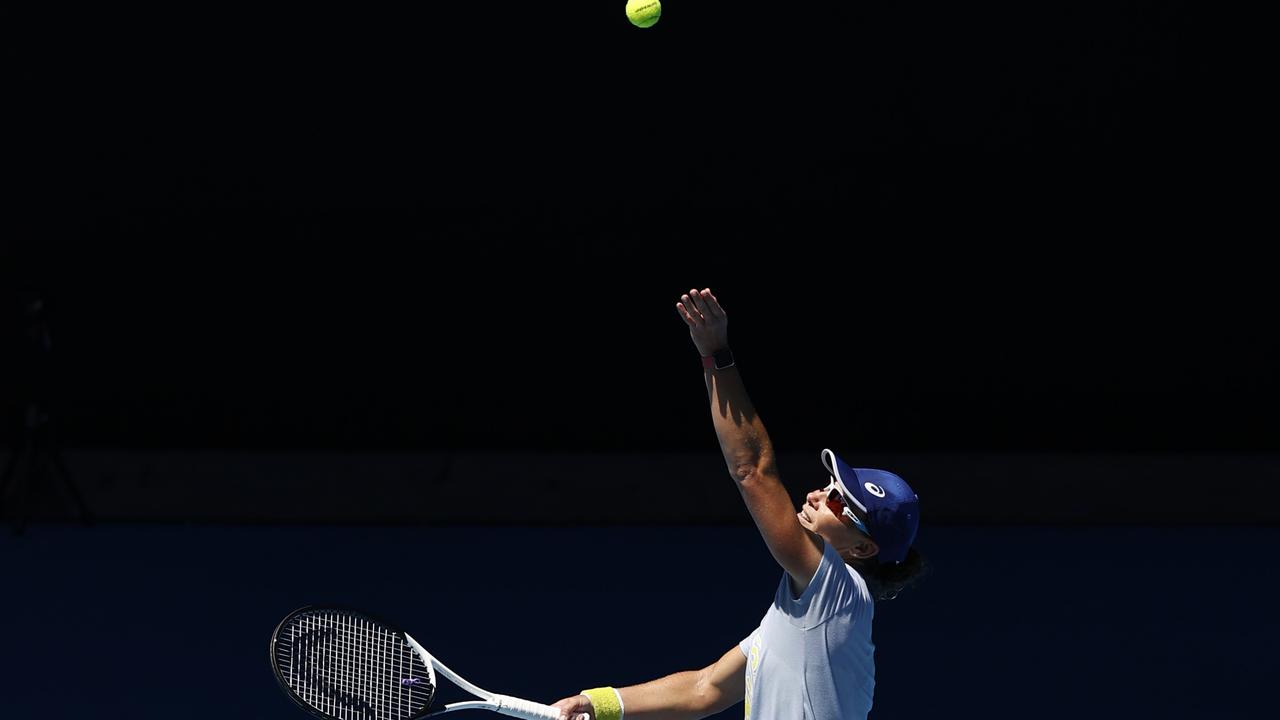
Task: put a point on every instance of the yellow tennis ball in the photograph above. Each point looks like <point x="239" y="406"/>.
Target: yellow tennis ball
<point x="644" y="13"/>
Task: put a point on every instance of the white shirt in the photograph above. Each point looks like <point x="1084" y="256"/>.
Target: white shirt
<point x="812" y="657"/>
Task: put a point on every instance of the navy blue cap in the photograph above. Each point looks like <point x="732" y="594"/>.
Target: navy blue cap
<point x="891" y="506"/>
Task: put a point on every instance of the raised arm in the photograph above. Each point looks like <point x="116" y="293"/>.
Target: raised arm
<point x="748" y="453"/>
<point x="685" y="695"/>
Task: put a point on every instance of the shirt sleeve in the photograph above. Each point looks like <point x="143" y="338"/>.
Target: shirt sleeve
<point x="835" y="588"/>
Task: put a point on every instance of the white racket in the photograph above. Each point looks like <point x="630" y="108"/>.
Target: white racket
<point x="341" y="664"/>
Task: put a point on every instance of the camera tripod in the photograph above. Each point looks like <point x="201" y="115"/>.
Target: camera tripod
<point x="36" y="449"/>
<point x="37" y="453"/>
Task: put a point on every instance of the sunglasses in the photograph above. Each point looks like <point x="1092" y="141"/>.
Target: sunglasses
<point x="835" y="496"/>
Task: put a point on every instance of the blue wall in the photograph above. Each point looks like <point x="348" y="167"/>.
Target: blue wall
<point x="173" y="621"/>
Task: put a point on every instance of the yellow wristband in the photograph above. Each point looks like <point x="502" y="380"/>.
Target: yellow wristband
<point x="606" y="701"/>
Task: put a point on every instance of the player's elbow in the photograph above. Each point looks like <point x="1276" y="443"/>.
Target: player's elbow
<point x="709" y="698"/>
<point x="752" y="457"/>
<point x="743" y="472"/>
<point x="756" y="472"/>
<point x="704" y="696"/>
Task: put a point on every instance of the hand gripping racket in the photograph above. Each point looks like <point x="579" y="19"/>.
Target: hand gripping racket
<point x="344" y="665"/>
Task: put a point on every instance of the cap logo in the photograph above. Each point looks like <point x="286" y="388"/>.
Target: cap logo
<point x="874" y="489"/>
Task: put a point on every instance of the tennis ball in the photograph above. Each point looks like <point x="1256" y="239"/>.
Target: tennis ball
<point x="644" y="13"/>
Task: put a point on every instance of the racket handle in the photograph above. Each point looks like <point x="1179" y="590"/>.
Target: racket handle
<point x="515" y="707"/>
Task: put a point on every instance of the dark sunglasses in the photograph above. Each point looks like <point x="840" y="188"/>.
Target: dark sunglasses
<point x="835" y="496"/>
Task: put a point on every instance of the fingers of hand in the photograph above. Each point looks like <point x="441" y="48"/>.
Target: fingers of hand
<point x="698" y="302"/>
<point x="683" y="310"/>
<point x="699" y="306"/>
<point x="572" y="708"/>
<point x="712" y="304"/>
<point x="689" y="307"/>
<point x="706" y="303"/>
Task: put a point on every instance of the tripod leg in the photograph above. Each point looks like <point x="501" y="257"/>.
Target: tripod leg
<point x="28" y="484"/>
<point x="8" y="472"/>
<point x="60" y="468"/>
<point x="7" y="484"/>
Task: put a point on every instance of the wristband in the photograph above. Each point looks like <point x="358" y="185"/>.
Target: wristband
<point x="606" y="701"/>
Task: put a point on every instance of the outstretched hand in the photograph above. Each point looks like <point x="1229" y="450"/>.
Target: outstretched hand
<point x="708" y="324"/>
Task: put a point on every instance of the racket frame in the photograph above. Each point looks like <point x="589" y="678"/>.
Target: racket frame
<point x="504" y="704"/>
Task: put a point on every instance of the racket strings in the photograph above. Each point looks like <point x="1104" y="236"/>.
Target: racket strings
<point x="351" y="668"/>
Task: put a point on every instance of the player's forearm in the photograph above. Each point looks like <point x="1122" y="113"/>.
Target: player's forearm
<point x="674" y="697"/>
<point x="743" y="439"/>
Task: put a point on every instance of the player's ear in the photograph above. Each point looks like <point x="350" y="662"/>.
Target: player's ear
<point x="864" y="549"/>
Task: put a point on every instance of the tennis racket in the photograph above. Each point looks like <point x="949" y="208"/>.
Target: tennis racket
<point x="341" y="664"/>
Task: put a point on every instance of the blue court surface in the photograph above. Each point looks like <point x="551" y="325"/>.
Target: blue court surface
<point x="165" y="621"/>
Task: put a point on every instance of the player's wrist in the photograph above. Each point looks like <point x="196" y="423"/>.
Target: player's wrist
<point x="720" y="359"/>
<point x="606" y="702"/>
<point x="707" y="346"/>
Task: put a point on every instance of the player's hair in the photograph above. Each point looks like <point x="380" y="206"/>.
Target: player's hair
<point x="886" y="582"/>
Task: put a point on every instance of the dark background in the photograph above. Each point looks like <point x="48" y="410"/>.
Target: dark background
<point x="312" y="273"/>
<point x="935" y="227"/>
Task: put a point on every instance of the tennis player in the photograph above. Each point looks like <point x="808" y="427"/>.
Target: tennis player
<point x="848" y="546"/>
